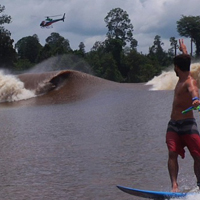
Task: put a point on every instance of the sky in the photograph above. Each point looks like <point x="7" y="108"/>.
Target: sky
<point x="84" y="20"/>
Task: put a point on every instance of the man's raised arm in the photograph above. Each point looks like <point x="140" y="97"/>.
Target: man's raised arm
<point x="182" y="47"/>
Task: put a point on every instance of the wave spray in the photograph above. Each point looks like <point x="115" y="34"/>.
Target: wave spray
<point x="168" y="80"/>
<point x="12" y="89"/>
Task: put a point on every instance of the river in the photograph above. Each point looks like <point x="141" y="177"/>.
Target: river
<point x="81" y="136"/>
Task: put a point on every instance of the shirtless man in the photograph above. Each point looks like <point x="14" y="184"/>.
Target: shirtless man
<point x="182" y="128"/>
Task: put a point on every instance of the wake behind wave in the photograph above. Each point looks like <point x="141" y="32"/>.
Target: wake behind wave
<point x="189" y="197"/>
<point x="168" y="80"/>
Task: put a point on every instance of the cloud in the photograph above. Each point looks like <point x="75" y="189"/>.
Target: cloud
<point x="85" y="19"/>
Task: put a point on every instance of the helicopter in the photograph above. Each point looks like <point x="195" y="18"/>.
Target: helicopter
<point x="49" y="21"/>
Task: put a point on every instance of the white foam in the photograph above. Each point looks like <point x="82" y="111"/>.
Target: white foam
<point x="165" y="81"/>
<point x="168" y="80"/>
<point x="12" y="89"/>
<point x="190" y="197"/>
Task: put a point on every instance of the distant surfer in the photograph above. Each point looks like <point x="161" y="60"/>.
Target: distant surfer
<point x="182" y="129"/>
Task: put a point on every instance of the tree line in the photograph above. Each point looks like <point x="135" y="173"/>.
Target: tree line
<point x="115" y="59"/>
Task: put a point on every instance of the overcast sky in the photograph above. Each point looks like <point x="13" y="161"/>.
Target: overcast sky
<point x="85" y="19"/>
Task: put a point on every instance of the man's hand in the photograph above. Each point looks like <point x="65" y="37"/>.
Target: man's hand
<point x="195" y="103"/>
<point x="182" y="47"/>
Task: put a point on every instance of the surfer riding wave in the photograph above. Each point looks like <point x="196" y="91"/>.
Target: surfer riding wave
<point x="186" y="94"/>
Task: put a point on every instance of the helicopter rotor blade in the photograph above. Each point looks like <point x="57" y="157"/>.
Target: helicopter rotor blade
<point x="53" y="16"/>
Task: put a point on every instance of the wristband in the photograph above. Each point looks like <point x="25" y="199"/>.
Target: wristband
<point x="195" y="98"/>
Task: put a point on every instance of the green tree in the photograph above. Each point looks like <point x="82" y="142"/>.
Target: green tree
<point x="81" y="51"/>
<point x="44" y="53"/>
<point x="58" y="44"/>
<point x="119" y="26"/>
<point x="120" y="31"/>
<point x="158" y="55"/>
<point x="94" y="58"/>
<point x="114" y="46"/>
<point x="111" y="71"/>
<point x="174" y="46"/>
<point x="22" y="65"/>
<point x="157" y="49"/>
<point x="189" y="26"/>
<point x="28" y="48"/>
<point x="4" y="18"/>
<point x="82" y="48"/>
<point x="141" y="68"/>
<point x="98" y="46"/>
<point x="7" y="52"/>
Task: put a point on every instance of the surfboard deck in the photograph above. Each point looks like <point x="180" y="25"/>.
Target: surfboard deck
<point x="152" y="194"/>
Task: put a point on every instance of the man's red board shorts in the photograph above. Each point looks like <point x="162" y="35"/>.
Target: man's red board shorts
<point x="181" y="134"/>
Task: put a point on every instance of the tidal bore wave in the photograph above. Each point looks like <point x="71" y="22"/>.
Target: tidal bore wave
<point x="51" y="87"/>
<point x="69" y="85"/>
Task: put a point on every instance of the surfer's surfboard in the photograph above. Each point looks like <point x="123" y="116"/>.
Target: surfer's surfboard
<point x="152" y="194"/>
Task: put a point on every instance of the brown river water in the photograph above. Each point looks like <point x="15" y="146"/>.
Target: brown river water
<point x="68" y="135"/>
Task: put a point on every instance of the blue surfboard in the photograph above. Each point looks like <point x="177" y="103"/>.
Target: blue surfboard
<point x="153" y="194"/>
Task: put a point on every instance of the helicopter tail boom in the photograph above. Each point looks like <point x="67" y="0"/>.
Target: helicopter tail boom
<point x="63" y="17"/>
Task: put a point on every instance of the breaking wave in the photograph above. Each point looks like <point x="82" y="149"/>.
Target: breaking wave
<point x="51" y="87"/>
<point x="167" y="80"/>
<point x="12" y="89"/>
<point x="69" y="85"/>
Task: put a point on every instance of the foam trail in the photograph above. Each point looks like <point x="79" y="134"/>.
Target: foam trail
<point x="165" y="81"/>
<point x="12" y="89"/>
<point x="192" y="197"/>
<point x="168" y="80"/>
<point x="195" y="72"/>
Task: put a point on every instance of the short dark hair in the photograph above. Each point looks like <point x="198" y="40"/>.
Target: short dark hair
<point x="183" y="61"/>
